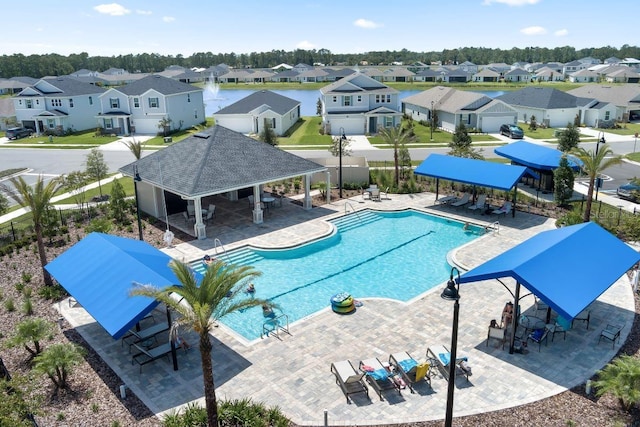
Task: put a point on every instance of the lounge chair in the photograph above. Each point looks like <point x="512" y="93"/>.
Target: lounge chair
<point x="349" y="380"/>
<point x="378" y="376"/>
<point x="447" y="199"/>
<point x="611" y="333"/>
<point x="539" y="335"/>
<point x="375" y="194"/>
<point x="463" y="200"/>
<point x="145" y="356"/>
<point x="497" y="333"/>
<point x="583" y="316"/>
<point x="409" y="368"/>
<point x="504" y="209"/>
<point x="441" y="356"/>
<point x="480" y="203"/>
<point x="145" y="334"/>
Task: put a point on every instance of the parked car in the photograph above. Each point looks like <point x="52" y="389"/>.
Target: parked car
<point x="17" y="133"/>
<point x="629" y="191"/>
<point x="512" y="131"/>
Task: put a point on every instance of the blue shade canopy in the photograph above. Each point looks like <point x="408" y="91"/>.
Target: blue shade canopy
<point x="99" y="271"/>
<point x="471" y="171"/>
<point x="555" y="266"/>
<point x="535" y="156"/>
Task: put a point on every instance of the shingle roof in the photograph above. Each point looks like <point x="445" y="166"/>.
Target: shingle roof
<point x="163" y="85"/>
<point x="217" y="160"/>
<point x="69" y="86"/>
<point x="620" y="95"/>
<point x="278" y="103"/>
<point x="539" y="97"/>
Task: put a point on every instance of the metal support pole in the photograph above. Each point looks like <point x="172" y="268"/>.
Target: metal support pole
<point x="136" y="179"/>
<point x="448" y="421"/>
<point x="342" y="137"/>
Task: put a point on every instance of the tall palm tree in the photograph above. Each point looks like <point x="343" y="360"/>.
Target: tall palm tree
<point x="37" y="199"/>
<point x="200" y="306"/>
<point x="593" y="164"/>
<point x="135" y="147"/>
<point x="397" y="137"/>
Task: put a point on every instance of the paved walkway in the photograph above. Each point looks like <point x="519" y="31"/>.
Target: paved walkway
<point x="293" y="372"/>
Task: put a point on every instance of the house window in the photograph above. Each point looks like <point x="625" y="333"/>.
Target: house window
<point x="91" y="100"/>
<point x="359" y="98"/>
<point x="70" y="103"/>
<point x="56" y="102"/>
<point x="346" y="101"/>
<point x="388" y="99"/>
<point x="465" y="118"/>
<point x="388" y="121"/>
<point x="136" y="102"/>
<point x="51" y="123"/>
<point x="153" y="102"/>
<point x="114" y="102"/>
<point x="29" y="103"/>
<point x="195" y="113"/>
<point x="377" y="99"/>
<point x="607" y="115"/>
<point x="334" y="99"/>
<point x="188" y="97"/>
<point x="108" y="123"/>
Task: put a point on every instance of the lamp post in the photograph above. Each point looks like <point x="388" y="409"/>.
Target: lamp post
<point x="451" y="293"/>
<point x="342" y="138"/>
<point x="600" y="140"/>
<point x="136" y="180"/>
<point x="431" y="114"/>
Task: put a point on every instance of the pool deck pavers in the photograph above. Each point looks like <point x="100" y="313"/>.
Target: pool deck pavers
<point x="293" y="371"/>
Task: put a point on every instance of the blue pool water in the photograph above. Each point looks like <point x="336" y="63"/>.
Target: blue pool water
<point x="397" y="255"/>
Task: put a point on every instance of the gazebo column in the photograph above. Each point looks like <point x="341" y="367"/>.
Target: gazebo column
<point x="199" y="227"/>
<point x="258" y="216"/>
<point x="328" y="189"/>
<point x="307" y="204"/>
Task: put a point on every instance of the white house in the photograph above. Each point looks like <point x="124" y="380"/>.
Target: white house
<point x="57" y="105"/>
<point x="358" y="104"/>
<point x="141" y="106"/>
<point x="248" y="115"/>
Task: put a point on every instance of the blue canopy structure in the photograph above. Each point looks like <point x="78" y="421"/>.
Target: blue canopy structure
<point x="471" y="171"/>
<point x="99" y="272"/>
<point x="553" y="267"/>
<point x="535" y="156"/>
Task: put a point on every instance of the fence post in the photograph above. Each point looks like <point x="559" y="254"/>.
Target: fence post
<point x="13" y="231"/>
<point x="599" y="206"/>
<point x="61" y="217"/>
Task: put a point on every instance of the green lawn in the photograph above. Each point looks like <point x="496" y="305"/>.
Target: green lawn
<point x="423" y="137"/>
<point x="87" y="137"/>
<point x="628" y="129"/>
<point x="127" y="184"/>
<point x="179" y="135"/>
<point x="306" y="132"/>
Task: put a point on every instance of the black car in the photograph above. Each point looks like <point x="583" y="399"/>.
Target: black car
<point x="17" y="133"/>
<point x="629" y="191"/>
<point x="512" y="131"/>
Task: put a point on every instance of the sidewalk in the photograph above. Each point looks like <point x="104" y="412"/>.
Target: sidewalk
<point x="19" y="212"/>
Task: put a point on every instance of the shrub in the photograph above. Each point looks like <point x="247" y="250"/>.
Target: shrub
<point x="9" y="305"/>
<point x="26" y="277"/>
<point x="54" y="293"/>
<point x="101" y="225"/>
<point x="27" y="307"/>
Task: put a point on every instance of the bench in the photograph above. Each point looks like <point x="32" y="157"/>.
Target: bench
<point x="145" y="334"/>
<point x="147" y="356"/>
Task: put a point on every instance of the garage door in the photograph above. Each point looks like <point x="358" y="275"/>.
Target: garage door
<point x="351" y="126"/>
<point x="492" y="124"/>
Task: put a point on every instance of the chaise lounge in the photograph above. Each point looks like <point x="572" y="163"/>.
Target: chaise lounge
<point x="378" y="376"/>
<point x="145" y="356"/>
<point x="442" y="357"/>
<point x="349" y="380"/>
<point x="409" y="368"/>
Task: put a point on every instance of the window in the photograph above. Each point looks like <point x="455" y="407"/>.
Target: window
<point x="56" y="102"/>
<point x="136" y="102"/>
<point x="346" y="101"/>
<point x="377" y="99"/>
<point x="359" y="98"/>
<point x="70" y="103"/>
<point x="153" y="103"/>
<point x="114" y="102"/>
<point x="28" y="103"/>
<point x="188" y="97"/>
<point x="51" y="123"/>
<point x="465" y="118"/>
<point x="388" y="121"/>
<point x="195" y="113"/>
<point x="388" y="99"/>
<point x="334" y="99"/>
<point x="607" y="115"/>
<point x="108" y="123"/>
<point x="91" y="100"/>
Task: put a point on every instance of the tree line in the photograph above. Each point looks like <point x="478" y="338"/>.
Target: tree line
<point x="54" y="64"/>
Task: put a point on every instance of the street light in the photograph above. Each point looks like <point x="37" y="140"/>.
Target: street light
<point x="342" y="138"/>
<point x="136" y="180"/>
<point x="431" y="114"/>
<point x="451" y="293"/>
<point x="600" y="140"/>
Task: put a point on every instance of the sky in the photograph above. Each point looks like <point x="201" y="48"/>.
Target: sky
<point x="172" y="27"/>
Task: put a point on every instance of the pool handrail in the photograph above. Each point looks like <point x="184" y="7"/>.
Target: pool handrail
<point x="494" y="226"/>
<point x="274" y="326"/>
<point x="216" y="243"/>
<point x="347" y="204"/>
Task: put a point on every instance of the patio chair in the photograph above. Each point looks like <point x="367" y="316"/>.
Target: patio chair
<point x="191" y="210"/>
<point x="378" y="377"/>
<point x="480" y="203"/>
<point x="539" y="304"/>
<point x="386" y="194"/>
<point x="463" y="200"/>
<point x="611" y="333"/>
<point x="210" y="213"/>
<point x="441" y="356"/>
<point x="375" y="194"/>
<point x="447" y="199"/>
<point x="497" y="333"/>
<point x="251" y="200"/>
<point x="504" y="209"/>
<point x="349" y="380"/>
<point x="538" y="336"/>
<point x="558" y="327"/>
<point x="186" y="217"/>
<point x="583" y="316"/>
<point x="410" y="370"/>
<point x="144" y="334"/>
<point x="145" y="356"/>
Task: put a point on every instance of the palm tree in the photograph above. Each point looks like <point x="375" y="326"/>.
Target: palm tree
<point x="38" y="200"/>
<point x="621" y="378"/>
<point x="200" y="306"/>
<point x="135" y="147"/>
<point x="397" y="137"/>
<point x="593" y="164"/>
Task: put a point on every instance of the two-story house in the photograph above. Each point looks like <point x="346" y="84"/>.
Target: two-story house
<point x="57" y="105"/>
<point x="141" y="106"/>
<point x="357" y="105"/>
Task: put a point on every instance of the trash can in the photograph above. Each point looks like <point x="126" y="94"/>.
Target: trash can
<point x="168" y="139"/>
<point x="50" y="138"/>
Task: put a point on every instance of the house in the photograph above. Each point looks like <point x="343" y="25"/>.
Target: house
<point x="452" y="107"/>
<point x="397" y="74"/>
<point x="556" y="108"/>
<point x="358" y="104"/>
<point x="573" y="66"/>
<point x="286" y="76"/>
<point x="517" y="75"/>
<point x="57" y="105"/>
<point x="625" y="75"/>
<point x="248" y="115"/>
<point x="7" y="113"/>
<point x="583" y="76"/>
<point x="546" y="74"/>
<point x="141" y="106"/>
<point x="626" y="98"/>
<point x="486" y="75"/>
<point x="313" y="76"/>
<point x="468" y="67"/>
<point x="426" y="76"/>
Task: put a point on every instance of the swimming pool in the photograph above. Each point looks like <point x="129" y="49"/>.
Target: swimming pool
<point x="397" y="255"/>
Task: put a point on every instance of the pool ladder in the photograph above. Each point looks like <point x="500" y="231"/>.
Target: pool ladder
<point x="347" y="205"/>
<point x="495" y="227"/>
<point x="216" y="243"/>
<point x="275" y="326"/>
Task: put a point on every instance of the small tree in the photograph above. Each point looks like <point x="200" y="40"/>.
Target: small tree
<point x="533" y="123"/>
<point x="563" y="179"/>
<point x="29" y="333"/>
<point x="319" y="107"/>
<point x="569" y="138"/>
<point x="621" y="378"/>
<point x="135" y="147"/>
<point x="334" y="149"/>
<point x="75" y="183"/>
<point x="118" y="203"/>
<point x="4" y="204"/>
<point x="576" y="120"/>
<point x="268" y="135"/>
<point x="461" y="144"/>
<point x="404" y="158"/>
<point x="96" y="167"/>
<point x="18" y="401"/>
<point x="57" y="362"/>
<point x="397" y="137"/>
<point x="164" y="125"/>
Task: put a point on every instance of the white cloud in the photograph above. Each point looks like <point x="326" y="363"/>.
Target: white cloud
<point x="306" y="45"/>
<point x="534" y="31"/>
<point x="510" y="2"/>
<point x="143" y="12"/>
<point x="561" y="33"/>
<point x="168" y="18"/>
<point x="365" y="23"/>
<point x="113" y="9"/>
